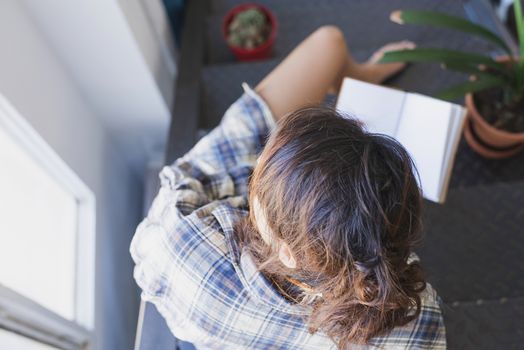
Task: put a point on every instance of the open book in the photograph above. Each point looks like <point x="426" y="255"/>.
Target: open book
<point x="428" y="128"/>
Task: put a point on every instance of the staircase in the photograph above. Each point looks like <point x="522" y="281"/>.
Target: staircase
<point x="474" y="243"/>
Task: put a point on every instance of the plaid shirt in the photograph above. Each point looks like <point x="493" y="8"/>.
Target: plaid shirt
<point x="190" y="267"/>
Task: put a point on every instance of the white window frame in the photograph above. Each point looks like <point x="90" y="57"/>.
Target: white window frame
<point x="22" y="315"/>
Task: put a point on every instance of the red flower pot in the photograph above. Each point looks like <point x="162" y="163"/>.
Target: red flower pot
<point x="259" y="52"/>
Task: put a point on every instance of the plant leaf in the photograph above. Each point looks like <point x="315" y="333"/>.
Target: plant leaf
<point x="462" y="67"/>
<point x="470" y="86"/>
<point x="520" y="30"/>
<point x="440" y="55"/>
<point x="520" y="25"/>
<point x="438" y="19"/>
<point x="474" y="70"/>
<point x="519" y="73"/>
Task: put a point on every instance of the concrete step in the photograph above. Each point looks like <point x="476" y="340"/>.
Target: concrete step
<point x="365" y="24"/>
<point x="277" y="6"/>
<point x="473" y="242"/>
<point x="221" y="86"/>
<point x="493" y="324"/>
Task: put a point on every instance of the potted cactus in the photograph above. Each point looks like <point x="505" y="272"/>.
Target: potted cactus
<point x="494" y="93"/>
<point x="250" y="31"/>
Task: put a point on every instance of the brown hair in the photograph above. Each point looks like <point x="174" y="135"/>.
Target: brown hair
<point x="347" y="204"/>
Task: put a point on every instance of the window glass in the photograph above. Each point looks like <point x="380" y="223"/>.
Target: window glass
<point x="38" y="226"/>
<point x="10" y="340"/>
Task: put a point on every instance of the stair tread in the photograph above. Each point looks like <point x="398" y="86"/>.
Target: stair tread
<point x="221" y="86"/>
<point x="485" y="325"/>
<point x="473" y="242"/>
<point x="365" y="26"/>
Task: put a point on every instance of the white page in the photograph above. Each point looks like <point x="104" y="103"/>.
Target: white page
<point x="423" y="131"/>
<point x="455" y="132"/>
<point x="377" y="106"/>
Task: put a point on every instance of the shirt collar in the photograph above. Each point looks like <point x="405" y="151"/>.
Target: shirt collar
<point x="252" y="279"/>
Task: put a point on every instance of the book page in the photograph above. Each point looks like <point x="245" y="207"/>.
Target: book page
<point x="454" y="134"/>
<point x="378" y="107"/>
<point x="423" y="131"/>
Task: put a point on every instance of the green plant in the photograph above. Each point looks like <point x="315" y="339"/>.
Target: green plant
<point x="248" y="29"/>
<point x="486" y="73"/>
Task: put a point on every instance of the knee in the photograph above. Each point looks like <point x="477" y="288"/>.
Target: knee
<point x="331" y="35"/>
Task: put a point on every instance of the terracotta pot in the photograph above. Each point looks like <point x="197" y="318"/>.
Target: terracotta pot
<point x="487" y="140"/>
<point x="260" y="52"/>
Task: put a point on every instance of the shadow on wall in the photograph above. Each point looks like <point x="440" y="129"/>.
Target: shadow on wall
<point x="119" y="213"/>
<point x="175" y="12"/>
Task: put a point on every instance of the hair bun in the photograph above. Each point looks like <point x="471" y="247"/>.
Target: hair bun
<point x="367" y="265"/>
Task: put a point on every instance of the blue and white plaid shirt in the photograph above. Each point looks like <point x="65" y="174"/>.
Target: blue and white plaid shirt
<point x="189" y="265"/>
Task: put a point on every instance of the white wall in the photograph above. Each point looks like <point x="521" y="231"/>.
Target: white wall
<point x="116" y="59"/>
<point x="150" y="26"/>
<point x="35" y="80"/>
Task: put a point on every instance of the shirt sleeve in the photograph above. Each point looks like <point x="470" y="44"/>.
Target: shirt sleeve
<point x="229" y="150"/>
<point x="169" y="240"/>
<point x="235" y="143"/>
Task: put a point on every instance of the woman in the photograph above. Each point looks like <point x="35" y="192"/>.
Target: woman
<point x="301" y="243"/>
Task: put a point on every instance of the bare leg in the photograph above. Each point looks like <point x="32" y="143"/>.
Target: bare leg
<point x="318" y="65"/>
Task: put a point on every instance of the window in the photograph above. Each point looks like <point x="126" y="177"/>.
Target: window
<point x="46" y="243"/>
<point x="39" y="219"/>
<point x="10" y="340"/>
